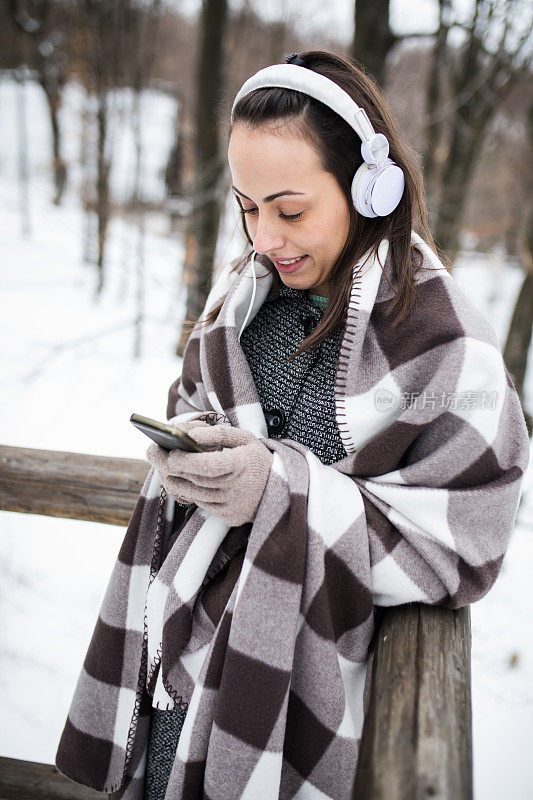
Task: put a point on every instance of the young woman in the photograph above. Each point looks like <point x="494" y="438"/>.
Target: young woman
<point x="366" y="448"/>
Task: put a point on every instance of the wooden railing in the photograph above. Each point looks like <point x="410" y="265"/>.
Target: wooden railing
<point x="417" y="741"/>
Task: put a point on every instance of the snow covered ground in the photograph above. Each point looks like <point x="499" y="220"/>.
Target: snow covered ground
<point x="70" y="382"/>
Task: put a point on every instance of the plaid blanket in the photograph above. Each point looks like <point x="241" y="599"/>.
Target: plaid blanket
<point x="421" y="509"/>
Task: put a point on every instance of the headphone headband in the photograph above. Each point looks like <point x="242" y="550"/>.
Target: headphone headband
<point x="301" y="79"/>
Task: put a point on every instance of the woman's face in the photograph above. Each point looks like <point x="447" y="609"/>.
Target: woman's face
<point x="292" y="206"/>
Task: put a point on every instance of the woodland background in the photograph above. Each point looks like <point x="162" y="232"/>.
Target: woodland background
<point x="460" y="89"/>
<point x="115" y="213"/>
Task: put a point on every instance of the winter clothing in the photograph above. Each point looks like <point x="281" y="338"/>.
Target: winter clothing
<point x="420" y="509"/>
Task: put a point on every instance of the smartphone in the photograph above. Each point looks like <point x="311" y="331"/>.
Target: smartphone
<point x="167" y="436"/>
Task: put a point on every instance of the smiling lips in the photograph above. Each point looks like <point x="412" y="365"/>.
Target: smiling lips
<point x="289" y="265"/>
<point x="287" y="261"/>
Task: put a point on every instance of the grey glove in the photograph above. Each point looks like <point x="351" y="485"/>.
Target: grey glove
<point x="228" y="483"/>
<point x="157" y="455"/>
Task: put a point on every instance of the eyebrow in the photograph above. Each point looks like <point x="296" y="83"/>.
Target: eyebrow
<point x="270" y="196"/>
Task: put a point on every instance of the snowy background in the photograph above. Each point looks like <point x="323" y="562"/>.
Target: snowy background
<point x="70" y="382"/>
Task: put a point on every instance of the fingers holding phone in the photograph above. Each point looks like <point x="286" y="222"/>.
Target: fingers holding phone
<point x="169" y="437"/>
<point x="158" y="458"/>
<point x="157" y="455"/>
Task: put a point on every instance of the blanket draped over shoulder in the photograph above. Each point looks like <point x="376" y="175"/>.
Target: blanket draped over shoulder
<point x="420" y="510"/>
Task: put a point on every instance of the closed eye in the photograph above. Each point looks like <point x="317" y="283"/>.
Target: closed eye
<point x="283" y="216"/>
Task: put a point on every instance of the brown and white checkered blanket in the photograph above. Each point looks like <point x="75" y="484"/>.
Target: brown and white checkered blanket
<point x="421" y="509"/>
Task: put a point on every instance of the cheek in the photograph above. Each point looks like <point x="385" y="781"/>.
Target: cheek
<point x="330" y="235"/>
<point x="313" y="237"/>
<point x="340" y="227"/>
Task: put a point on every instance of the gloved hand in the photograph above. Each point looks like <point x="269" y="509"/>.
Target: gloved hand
<point x="157" y="455"/>
<point x="228" y="483"/>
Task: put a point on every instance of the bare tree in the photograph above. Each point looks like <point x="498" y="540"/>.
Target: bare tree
<point x="489" y="63"/>
<point x="518" y="342"/>
<point x="43" y="43"/>
<point x="434" y="91"/>
<point x="373" y="38"/>
<point x="464" y="88"/>
<point x="22" y="146"/>
<point x="207" y="193"/>
<point x="141" y="29"/>
<point x="102" y="55"/>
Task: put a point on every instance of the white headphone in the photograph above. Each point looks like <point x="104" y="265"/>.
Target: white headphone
<point x="378" y="184"/>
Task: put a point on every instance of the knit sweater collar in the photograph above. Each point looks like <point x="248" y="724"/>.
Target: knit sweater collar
<point x="302" y="294"/>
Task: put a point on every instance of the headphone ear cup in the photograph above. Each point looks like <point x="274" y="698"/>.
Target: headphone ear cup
<point x="377" y="190"/>
<point x="360" y="183"/>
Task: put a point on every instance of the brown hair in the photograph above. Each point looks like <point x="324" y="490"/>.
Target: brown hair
<point x="336" y="143"/>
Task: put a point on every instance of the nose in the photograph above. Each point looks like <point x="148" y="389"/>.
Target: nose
<point x="266" y="238"/>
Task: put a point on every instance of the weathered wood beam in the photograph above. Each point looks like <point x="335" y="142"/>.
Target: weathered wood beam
<point x="70" y="485"/>
<point x="417" y="736"/>
<point x="29" y="780"/>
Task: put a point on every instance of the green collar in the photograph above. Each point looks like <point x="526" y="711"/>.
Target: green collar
<point x="317" y="300"/>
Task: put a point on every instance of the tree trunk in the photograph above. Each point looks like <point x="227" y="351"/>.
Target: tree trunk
<point x="201" y="237"/>
<point x="515" y="352"/>
<point x="140" y="264"/>
<point x="373" y="38"/>
<point x="22" y="138"/>
<point x="59" y="166"/>
<point x="433" y="94"/>
<point x="88" y="187"/>
<point x="519" y="339"/>
<point x="43" y="51"/>
<point x="102" y="184"/>
<point x="465" y="147"/>
<point x="479" y="82"/>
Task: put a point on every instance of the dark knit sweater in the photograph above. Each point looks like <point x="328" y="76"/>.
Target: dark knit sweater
<point x="303" y="389"/>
